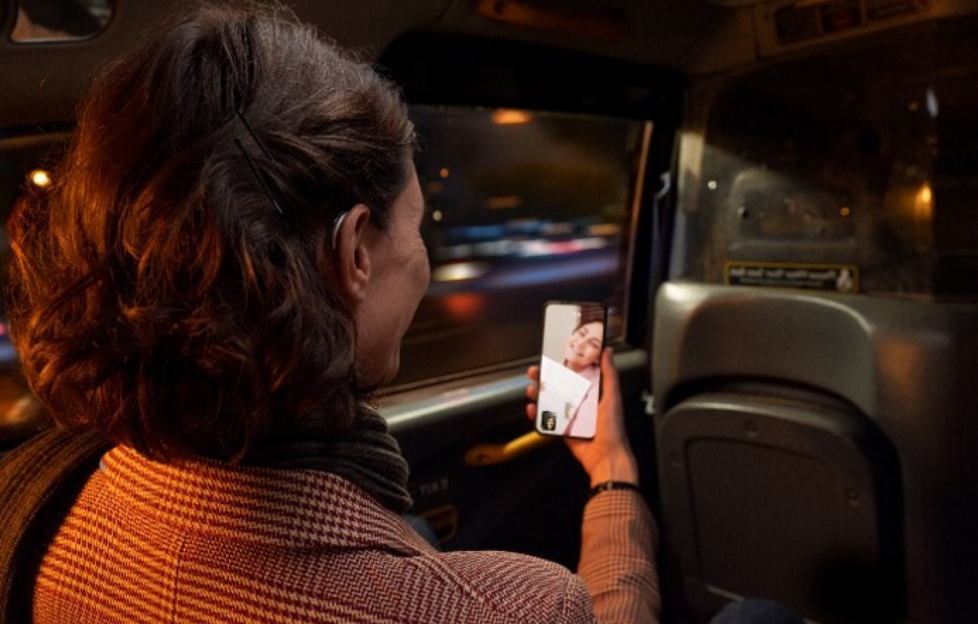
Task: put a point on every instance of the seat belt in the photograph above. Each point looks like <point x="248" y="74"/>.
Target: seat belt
<point x="39" y="482"/>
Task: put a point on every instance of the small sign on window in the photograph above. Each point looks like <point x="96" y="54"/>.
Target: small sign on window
<point x="841" y="278"/>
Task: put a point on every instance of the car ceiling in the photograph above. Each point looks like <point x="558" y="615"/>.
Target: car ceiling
<point x="40" y="82"/>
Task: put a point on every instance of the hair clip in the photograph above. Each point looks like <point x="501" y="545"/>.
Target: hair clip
<point x="251" y="163"/>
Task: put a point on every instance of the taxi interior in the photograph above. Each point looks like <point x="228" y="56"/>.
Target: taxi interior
<point x="773" y="197"/>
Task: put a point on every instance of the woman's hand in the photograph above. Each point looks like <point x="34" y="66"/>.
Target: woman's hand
<point x="608" y="456"/>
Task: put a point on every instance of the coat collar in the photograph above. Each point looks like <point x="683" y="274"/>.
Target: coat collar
<point x="285" y="507"/>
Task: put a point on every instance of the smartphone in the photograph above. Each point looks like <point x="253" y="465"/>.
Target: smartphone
<point x="570" y="368"/>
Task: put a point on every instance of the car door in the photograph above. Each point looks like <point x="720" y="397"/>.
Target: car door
<point x="539" y="186"/>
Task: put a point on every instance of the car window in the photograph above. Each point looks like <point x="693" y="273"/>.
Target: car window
<point x="840" y="173"/>
<point x="22" y="163"/>
<point x="59" y="20"/>
<point x="523" y="207"/>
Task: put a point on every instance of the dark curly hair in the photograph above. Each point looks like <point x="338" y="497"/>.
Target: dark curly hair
<point x="171" y="288"/>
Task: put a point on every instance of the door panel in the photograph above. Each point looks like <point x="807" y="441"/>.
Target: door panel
<point x="532" y="504"/>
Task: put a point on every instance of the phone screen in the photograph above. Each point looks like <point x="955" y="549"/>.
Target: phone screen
<point x="570" y="369"/>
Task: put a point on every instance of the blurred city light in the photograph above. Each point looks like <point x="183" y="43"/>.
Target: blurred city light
<point x="40" y="178"/>
<point x="459" y="272"/>
<point x="506" y="116"/>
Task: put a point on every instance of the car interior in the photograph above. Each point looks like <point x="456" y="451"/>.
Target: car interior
<point x="772" y="197"/>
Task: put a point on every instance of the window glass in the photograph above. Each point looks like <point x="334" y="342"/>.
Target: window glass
<point x="851" y="171"/>
<point x="59" y="20"/>
<point x="21" y="162"/>
<point x="522" y="207"/>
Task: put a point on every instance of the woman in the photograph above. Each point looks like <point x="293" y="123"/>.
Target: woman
<point x="582" y="357"/>
<point x="217" y="282"/>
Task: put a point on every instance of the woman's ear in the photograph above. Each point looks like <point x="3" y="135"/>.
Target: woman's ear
<point x="349" y="239"/>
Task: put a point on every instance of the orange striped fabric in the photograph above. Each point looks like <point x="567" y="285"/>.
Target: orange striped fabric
<point x="210" y="542"/>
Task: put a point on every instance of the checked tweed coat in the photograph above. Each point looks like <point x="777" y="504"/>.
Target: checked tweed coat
<point x="209" y="542"/>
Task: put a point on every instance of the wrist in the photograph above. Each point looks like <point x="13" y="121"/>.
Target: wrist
<point x="619" y="468"/>
<point x="607" y="486"/>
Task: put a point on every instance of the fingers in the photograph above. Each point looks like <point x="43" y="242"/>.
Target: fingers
<point x="531" y="391"/>
<point x="609" y="373"/>
<point x="611" y="418"/>
<point x="533" y="388"/>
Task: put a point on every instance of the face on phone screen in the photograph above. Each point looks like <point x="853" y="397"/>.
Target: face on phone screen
<point x="570" y="369"/>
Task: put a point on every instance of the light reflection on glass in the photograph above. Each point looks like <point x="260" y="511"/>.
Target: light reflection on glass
<point x="459" y="272"/>
<point x="923" y="205"/>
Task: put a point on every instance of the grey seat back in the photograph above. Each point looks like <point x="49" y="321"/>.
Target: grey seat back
<point x="816" y="449"/>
